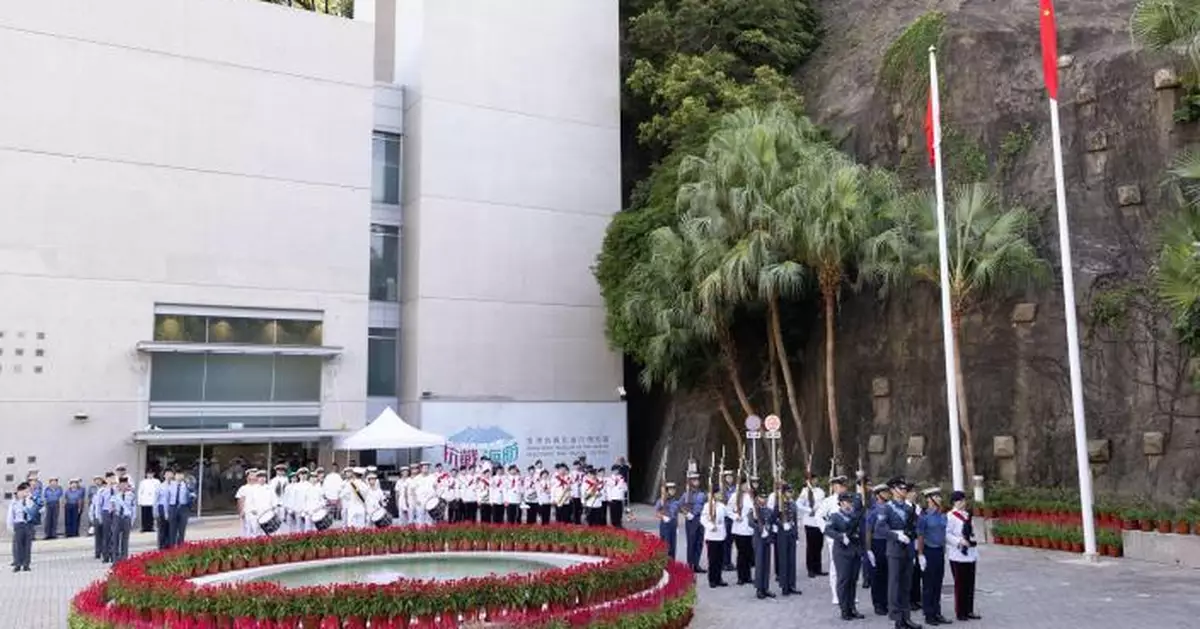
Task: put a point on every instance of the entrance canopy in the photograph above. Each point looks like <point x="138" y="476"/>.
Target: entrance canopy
<point x="389" y="432"/>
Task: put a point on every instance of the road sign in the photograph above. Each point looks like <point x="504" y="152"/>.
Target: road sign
<point x="773" y="434"/>
<point x="772" y="424"/>
<point x="753" y="434"/>
<point x="753" y="422"/>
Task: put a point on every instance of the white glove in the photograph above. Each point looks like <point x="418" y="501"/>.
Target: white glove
<point x="666" y="519"/>
<point x="690" y="516"/>
<point x="922" y="562"/>
<point x="766" y="534"/>
<point x="787" y="526"/>
<point x="902" y="538"/>
<point x="871" y="557"/>
<point x="845" y="540"/>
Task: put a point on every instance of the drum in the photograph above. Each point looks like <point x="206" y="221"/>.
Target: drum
<point x="436" y="507"/>
<point x="381" y="518"/>
<point x="322" y="519"/>
<point x="269" y="522"/>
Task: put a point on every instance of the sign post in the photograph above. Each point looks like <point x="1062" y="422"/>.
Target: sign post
<point x="753" y="426"/>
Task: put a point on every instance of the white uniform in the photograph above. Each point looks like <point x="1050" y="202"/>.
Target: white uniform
<point x="260" y="499"/>
<point x="424" y="489"/>
<point x="240" y="496"/>
<point x="712" y="518"/>
<point x="742" y="520"/>
<point x="311" y="499"/>
<point x="354" y="503"/>
<point x="376" y="499"/>
<point x="826" y="508"/>
<point x="402" y="506"/>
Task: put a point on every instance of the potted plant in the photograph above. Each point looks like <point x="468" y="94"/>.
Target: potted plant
<point x="1163" y="521"/>
<point x="1183" y="524"/>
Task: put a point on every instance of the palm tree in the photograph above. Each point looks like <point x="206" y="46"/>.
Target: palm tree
<point x="990" y="255"/>
<point x="730" y="203"/>
<point x="1177" y="273"/>
<point x="1169" y="25"/>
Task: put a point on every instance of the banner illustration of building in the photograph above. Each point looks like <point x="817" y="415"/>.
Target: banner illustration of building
<point x="467" y="446"/>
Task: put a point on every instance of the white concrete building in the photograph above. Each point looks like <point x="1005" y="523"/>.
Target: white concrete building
<point x="203" y="264"/>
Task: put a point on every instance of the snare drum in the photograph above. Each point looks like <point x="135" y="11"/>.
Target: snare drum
<point x="322" y="519"/>
<point x="381" y="518"/>
<point x="269" y="522"/>
<point x="436" y="507"/>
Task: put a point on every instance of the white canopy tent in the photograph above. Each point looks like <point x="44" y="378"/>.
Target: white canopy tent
<point x="389" y="432"/>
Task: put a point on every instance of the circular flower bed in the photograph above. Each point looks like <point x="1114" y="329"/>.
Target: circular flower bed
<point x="627" y="588"/>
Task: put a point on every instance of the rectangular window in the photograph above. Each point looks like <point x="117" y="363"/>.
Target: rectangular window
<point x="385" y="263"/>
<point x="381" y="362"/>
<point x="240" y="330"/>
<point x="385" y="168"/>
<point x="234" y="378"/>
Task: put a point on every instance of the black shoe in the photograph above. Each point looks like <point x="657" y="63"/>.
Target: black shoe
<point x="857" y="616"/>
<point x="973" y="617"/>
<point x="847" y="617"/>
<point x="908" y="624"/>
<point x="932" y="622"/>
<point x="699" y="570"/>
<point x="26" y="569"/>
<point x="822" y="574"/>
<point x="729" y="567"/>
<point x="741" y="582"/>
<point x="881" y="612"/>
<point x="866" y="585"/>
<point x="722" y="584"/>
<point x="16" y="568"/>
<point x="765" y="594"/>
<point x="942" y="620"/>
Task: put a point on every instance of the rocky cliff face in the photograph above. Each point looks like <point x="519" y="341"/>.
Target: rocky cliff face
<point x="1118" y="138"/>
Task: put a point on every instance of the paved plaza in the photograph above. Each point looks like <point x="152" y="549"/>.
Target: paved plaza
<point x="1019" y="588"/>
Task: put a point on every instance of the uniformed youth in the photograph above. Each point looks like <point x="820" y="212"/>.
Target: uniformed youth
<point x="692" y="503"/>
<point x="102" y="516"/>
<point x="52" y="497"/>
<point x="786" y="541"/>
<point x="729" y="486"/>
<point x="764" y="535"/>
<point x="962" y="553"/>
<point x="712" y="522"/>
<point x="124" y="508"/>
<point x="161" y="511"/>
<point x="931" y="551"/>
<point x="667" y="510"/>
<point x="19" y="521"/>
<point x="877" y="549"/>
<point x="898" y="525"/>
<point x="842" y="530"/>
<point x="73" y="499"/>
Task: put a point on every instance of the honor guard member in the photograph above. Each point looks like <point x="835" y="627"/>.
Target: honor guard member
<point x="124" y="509"/>
<point x="876" y="542"/>
<point x="838" y="485"/>
<point x="898" y="524"/>
<point x="712" y="521"/>
<point x="103" y="508"/>
<point x="786" y="541"/>
<point x="667" y="510"/>
<point x="729" y="486"/>
<point x="19" y="522"/>
<point x="741" y="515"/>
<point x="97" y="483"/>
<point x="179" y="507"/>
<point x="916" y="591"/>
<point x="161" y="510"/>
<point x="846" y="550"/>
<point x="147" y="495"/>
<point x="691" y="505"/>
<point x="764" y="536"/>
<point x="961" y="551"/>
<point x="73" y="500"/>
<point x="52" y="497"/>
<point x="35" y="494"/>
<point x="810" y="498"/>
<point x="931" y="556"/>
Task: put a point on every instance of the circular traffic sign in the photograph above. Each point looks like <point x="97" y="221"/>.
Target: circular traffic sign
<point x="753" y="423"/>
<point x="772" y="424"/>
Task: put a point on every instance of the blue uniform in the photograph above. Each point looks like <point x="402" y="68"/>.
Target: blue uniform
<point x="73" y="499"/>
<point x="764" y="537"/>
<point x="123" y="507"/>
<point x="787" y="538"/>
<point x="52" y="495"/>
<point x="179" y="509"/>
<point x="931" y="527"/>
<point x="692" y="503"/>
<point x="898" y="521"/>
<point x="843" y="531"/>
<point x="102" y="522"/>
<point x="668" y="529"/>
<point x="162" y="516"/>
<point x="19" y="520"/>
<point x="35" y="496"/>
<point x="876" y="524"/>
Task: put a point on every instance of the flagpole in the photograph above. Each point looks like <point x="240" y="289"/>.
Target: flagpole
<point x="956" y="465"/>
<point x="1049" y="37"/>
<point x="1064" y="245"/>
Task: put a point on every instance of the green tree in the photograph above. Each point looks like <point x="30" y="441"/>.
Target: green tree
<point x="1177" y="273"/>
<point x="991" y="255"/>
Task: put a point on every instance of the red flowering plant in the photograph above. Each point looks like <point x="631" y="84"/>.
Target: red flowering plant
<point x="155" y="587"/>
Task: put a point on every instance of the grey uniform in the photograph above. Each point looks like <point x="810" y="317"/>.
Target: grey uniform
<point x="900" y="520"/>
<point x="846" y="544"/>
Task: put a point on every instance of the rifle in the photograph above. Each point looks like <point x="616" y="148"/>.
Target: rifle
<point x="712" y="503"/>
<point x="692" y="466"/>
<point x="662" y="478"/>
<point x="721" y="475"/>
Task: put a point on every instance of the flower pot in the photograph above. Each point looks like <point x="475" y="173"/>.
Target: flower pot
<point x="1076" y="547"/>
<point x="1183" y="527"/>
<point x="1164" y="526"/>
<point x="380" y="622"/>
<point x="239" y="563"/>
<point x="1145" y="524"/>
<point x="296" y="556"/>
<point x="1129" y="525"/>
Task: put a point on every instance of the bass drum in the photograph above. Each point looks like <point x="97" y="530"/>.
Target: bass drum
<point x="381" y="518"/>
<point x="436" y="507"/>
<point x="269" y="522"/>
<point x="322" y="519"/>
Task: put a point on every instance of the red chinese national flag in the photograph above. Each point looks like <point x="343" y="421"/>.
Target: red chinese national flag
<point x="929" y="136"/>
<point x="1049" y="47"/>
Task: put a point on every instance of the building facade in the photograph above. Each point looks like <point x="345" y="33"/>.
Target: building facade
<point x="232" y="232"/>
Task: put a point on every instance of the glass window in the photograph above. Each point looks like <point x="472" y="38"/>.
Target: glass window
<point x="177" y="377"/>
<point x="385" y="263"/>
<point x="385" y="168"/>
<point x="190" y="329"/>
<point x="180" y="329"/>
<point x="381" y="362"/>
<point x="298" y="333"/>
<point x="234" y="378"/>
<point x="297" y="379"/>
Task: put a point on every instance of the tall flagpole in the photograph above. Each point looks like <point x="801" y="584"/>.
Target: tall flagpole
<point x="1050" y="61"/>
<point x="956" y="464"/>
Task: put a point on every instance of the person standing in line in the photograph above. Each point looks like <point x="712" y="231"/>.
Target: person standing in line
<point x="544" y="498"/>
<point x="312" y="502"/>
<point x="401" y="496"/>
<point x="877" y="541"/>
<point x="931" y="555"/>
<point x="593" y="497"/>
<point x="814" y="539"/>
<point x="333" y="491"/>
<point x="786" y="540"/>
<point x="916" y="593"/>
<point x="162" y="510"/>
<point x="147" y="494"/>
<point x="469" y="490"/>
<point x="838" y="485"/>
<point x="963" y="556"/>
<point x="577" y="478"/>
<point x="19" y="522"/>
<point x="124" y="510"/>
<point x="845" y="546"/>
<point x="90" y="496"/>
<point x="96" y="516"/>
<point x="354" y="499"/>
<point x="73" y="500"/>
<point x="376" y="497"/>
<point x="179" y="508"/>
<point x="667" y="510"/>
<point x="692" y="503"/>
<point x="107" y="522"/>
<point x="36" y="494"/>
<point x="741" y="519"/>
<point x="514" y="490"/>
<point x="765" y="527"/>
<point x="499" y="494"/>
<point x="712" y="521"/>
<point x="560" y="494"/>
<point x="529" y="495"/>
<point x="52" y="497"/>
<point x="899" y="525"/>
<point x="618" y="492"/>
<point x="729" y="487"/>
<point x="242" y="497"/>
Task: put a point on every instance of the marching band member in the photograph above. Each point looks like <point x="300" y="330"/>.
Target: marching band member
<point x="333" y="491"/>
<point x="442" y="487"/>
<point x="529" y="501"/>
<point x="468" y="494"/>
<point x="560" y="494"/>
<point x="712" y="521"/>
<point x="457" y="488"/>
<point x="401" y="492"/>
<point x="292" y="495"/>
<point x="278" y="485"/>
<point x="543" y="496"/>
<point x="353" y="499"/>
<point x="424" y="489"/>
<point x="375" y="498"/>
<point x="593" y="498"/>
<point x="241" y="496"/>
<point x="483" y="493"/>
<point x="512" y="495"/>
<point x="617" y="491"/>
<point x="311" y="500"/>
<point x="497" y="495"/>
<point x="259" y="499"/>
<point x="577" y="476"/>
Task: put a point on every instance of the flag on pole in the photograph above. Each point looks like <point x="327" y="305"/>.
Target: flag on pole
<point x="929" y="123"/>
<point x="1049" y="48"/>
